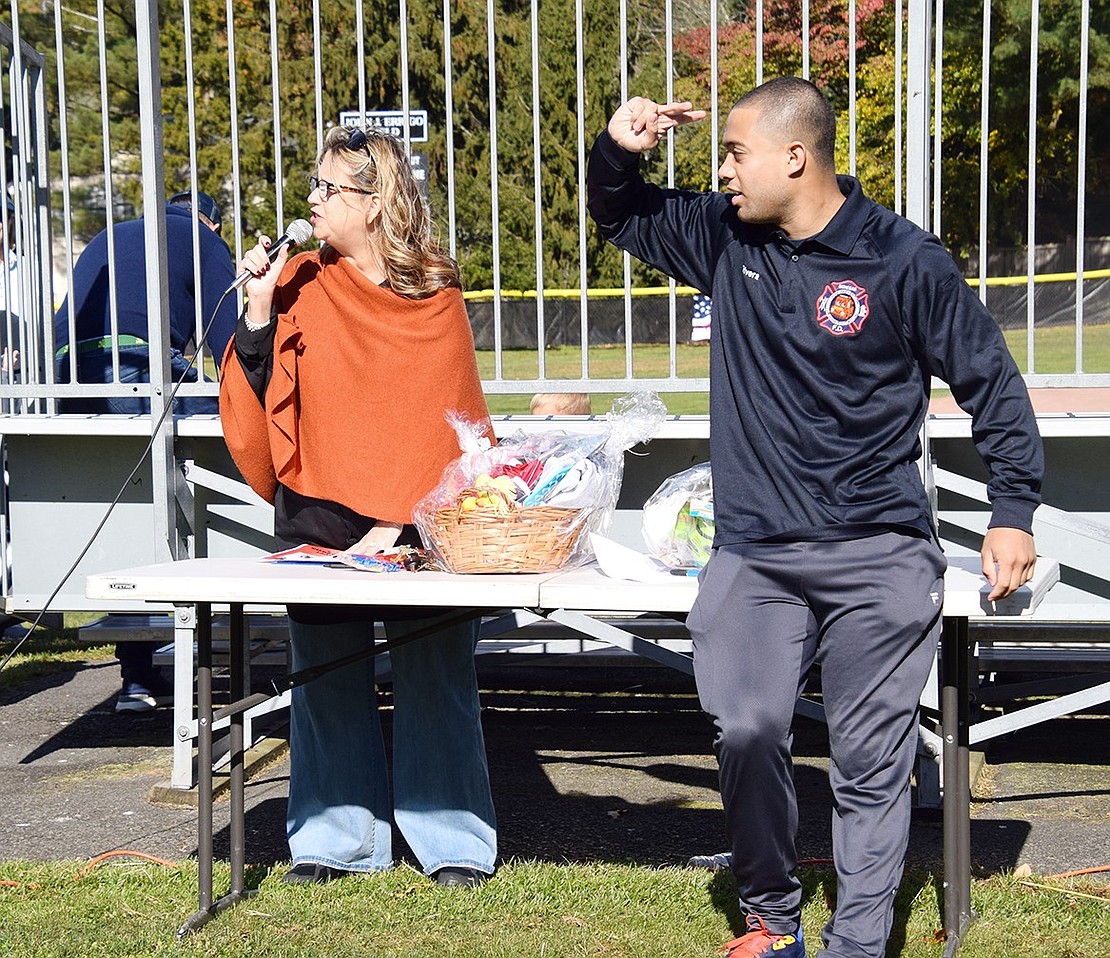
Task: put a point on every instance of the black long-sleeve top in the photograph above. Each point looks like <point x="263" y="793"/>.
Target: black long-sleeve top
<point x="821" y="356"/>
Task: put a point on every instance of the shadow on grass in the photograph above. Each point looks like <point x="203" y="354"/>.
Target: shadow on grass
<point x="914" y="883"/>
<point x="619" y="770"/>
<point x="723" y="895"/>
<point x="611" y="765"/>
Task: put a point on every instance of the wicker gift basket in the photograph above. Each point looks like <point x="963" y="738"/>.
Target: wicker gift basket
<point x="527" y="504"/>
<point x="509" y="538"/>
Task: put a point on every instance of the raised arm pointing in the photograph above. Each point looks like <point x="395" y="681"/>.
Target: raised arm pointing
<point x="639" y="124"/>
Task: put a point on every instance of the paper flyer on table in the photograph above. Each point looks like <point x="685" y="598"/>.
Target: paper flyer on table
<point x="620" y="562"/>
<point x="305" y="553"/>
<point x="308" y="554"/>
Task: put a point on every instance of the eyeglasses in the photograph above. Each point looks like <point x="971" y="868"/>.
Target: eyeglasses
<point x="331" y="189"/>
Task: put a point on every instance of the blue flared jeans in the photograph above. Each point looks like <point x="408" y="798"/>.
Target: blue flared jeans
<point x="340" y="810"/>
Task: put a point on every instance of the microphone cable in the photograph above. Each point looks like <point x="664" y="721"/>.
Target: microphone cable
<point x="126" y="482"/>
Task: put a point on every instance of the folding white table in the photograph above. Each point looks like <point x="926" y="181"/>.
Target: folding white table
<point x="202" y="583"/>
<point x="579" y="598"/>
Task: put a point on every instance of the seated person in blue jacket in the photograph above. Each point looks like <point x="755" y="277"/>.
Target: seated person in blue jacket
<point x="144" y="687"/>
<point x="12" y="313"/>
<point x="91" y="306"/>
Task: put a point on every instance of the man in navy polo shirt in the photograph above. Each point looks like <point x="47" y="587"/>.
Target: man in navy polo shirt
<point x="830" y="316"/>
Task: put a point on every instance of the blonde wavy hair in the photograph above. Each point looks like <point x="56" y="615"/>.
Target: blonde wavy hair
<point x="415" y="263"/>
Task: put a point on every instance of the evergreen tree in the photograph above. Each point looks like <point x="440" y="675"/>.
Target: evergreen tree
<point x="248" y="185"/>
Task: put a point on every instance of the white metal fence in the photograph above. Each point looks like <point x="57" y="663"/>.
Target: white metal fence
<point x="101" y="127"/>
<point x="25" y="287"/>
<point x="108" y="110"/>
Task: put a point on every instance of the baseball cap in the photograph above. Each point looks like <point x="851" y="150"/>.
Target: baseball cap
<point x="205" y="204"/>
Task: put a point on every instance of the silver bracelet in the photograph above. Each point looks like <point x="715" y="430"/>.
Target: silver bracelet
<point x="255" y="327"/>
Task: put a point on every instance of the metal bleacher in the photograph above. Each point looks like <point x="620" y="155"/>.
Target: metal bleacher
<point x="64" y="472"/>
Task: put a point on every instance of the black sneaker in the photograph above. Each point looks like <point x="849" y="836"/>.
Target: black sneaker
<point x="311" y="873"/>
<point x="455" y="877"/>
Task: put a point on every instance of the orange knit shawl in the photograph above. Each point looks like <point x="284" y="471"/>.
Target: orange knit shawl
<point x="361" y="381"/>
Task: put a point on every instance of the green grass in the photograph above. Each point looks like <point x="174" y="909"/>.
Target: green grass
<point x="47" y="651"/>
<point x="530" y="909"/>
<point x="605" y="362"/>
<point x="1054" y="351"/>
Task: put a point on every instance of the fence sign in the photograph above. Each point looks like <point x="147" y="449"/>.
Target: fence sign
<point x="389" y="121"/>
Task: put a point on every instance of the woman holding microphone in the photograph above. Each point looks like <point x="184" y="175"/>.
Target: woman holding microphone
<point x="333" y="398"/>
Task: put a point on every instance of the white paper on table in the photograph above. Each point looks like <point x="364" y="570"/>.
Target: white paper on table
<point x="620" y="562"/>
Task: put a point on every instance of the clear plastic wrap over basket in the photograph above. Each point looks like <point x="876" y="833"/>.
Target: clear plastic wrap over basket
<point x="526" y="504"/>
<point x="678" y="521"/>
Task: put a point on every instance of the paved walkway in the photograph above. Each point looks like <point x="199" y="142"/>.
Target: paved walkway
<point x="1057" y="400"/>
<point x="579" y="771"/>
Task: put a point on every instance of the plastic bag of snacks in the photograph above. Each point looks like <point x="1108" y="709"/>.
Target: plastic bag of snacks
<point x="526" y="504"/>
<point x="678" y="519"/>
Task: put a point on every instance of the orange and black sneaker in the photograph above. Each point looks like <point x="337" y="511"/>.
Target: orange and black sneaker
<point x="761" y="943"/>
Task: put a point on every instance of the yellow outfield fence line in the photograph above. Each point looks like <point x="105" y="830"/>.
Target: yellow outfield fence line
<point x="481" y="294"/>
<point x="484" y="294"/>
<point x="1041" y="278"/>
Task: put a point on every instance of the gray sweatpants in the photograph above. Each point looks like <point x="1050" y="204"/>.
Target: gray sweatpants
<point x="868" y="611"/>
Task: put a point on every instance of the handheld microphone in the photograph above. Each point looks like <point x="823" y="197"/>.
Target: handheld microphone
<point x="295" y="233"/>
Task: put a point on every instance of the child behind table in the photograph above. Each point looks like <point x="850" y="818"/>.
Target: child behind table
<point x="561" y="404"/>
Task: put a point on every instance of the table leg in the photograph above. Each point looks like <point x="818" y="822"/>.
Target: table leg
<point x="239" y="660"/>
<point x="182" y="772"/>
<point x="958" y="914"/>
<point x="239" y="655"/>
<point x="204" y="911"/>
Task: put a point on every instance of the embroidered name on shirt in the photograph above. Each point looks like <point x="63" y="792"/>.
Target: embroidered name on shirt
<point x="842" y="308"/>
<point x="750" y="273"/>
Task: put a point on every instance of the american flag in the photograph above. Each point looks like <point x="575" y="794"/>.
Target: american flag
<point x="699" y="318"/>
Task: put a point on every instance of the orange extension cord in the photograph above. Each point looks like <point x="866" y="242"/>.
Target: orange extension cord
<point x="1081" y="871"/>
<point x="123" y="852"/>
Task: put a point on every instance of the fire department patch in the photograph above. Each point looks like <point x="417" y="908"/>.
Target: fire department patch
<point x="842" y="308"/>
